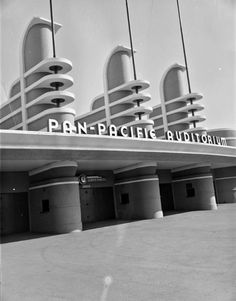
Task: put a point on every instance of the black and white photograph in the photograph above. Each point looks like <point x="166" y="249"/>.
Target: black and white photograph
<point x="118" y="150"/>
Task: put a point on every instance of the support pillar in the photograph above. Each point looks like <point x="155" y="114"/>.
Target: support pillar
<point x="225" y="184"/>
<point x="193" y="189"/>
<point x="137" y="192"/>
<point x="54" y="202"/>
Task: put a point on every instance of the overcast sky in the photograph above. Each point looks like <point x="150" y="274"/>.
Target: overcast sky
<point x="92" y="28"/>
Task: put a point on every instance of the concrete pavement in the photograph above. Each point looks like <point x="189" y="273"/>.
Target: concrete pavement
<point x="187" y="256"/>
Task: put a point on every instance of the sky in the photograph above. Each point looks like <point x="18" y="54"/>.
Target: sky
<point x="92" y="28"/>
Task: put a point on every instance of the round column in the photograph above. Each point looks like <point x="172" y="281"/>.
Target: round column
<point x="137" y="193"/>
<point x="193" y="189"/>
<point x="54" y="200"/>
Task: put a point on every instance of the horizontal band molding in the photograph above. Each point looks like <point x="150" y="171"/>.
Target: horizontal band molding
<point x="53" y="165"/>
<point x="133" y="111"/>
<point x="45" y="64"/>
<point x="47" y="98"/>
<point x="129" y="86"/>
<point x="192" y="167"/>
<point x="135" y="166"/>
<point x="185" y="98"/>
<point x="187" y="120"/>
<point x="53" y="184"/>
<point x="137" y="181"/>
<point x="192" y="178"/>
<point x="130" y="99"/>
<point x="45" y="82"/>
<point x="185" y="109"/>
<point x="60" y="110"/>
<point x="11" y="115"/>
<point x="225" y="178"/>
<point x="139" y="122"/>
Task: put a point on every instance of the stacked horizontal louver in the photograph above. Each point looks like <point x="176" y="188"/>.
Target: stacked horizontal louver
<point x="123" y="100"/>
<point x="40" y="92"/>
<point x="177" y="111"/>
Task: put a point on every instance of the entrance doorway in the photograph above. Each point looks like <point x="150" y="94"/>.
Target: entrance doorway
<point x="167" y="201"/>
<point x="97" y="204"/>
<point x="14" y="213"/>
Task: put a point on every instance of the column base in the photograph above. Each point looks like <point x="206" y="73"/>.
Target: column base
<point x="158" y="214"/>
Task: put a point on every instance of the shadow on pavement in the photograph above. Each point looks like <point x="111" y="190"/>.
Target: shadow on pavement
<point x="173" y="212"/>
<point x="86" y="226"/>
<point x="22" y="236"/>
<point x="107" y="223"/>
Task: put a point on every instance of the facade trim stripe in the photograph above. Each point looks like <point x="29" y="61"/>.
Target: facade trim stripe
<point x="54" y="165"/>
<point x="193" y="166"/>
<point x="53" y="184"/>
<point x="136" y="181"/>
<point x="225" y="178"/>
<point x="135" y="166"/>
<point x="193" y="178"/>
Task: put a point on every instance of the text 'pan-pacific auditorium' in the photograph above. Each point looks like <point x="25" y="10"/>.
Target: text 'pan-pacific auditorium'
<point x="123" y="160"/>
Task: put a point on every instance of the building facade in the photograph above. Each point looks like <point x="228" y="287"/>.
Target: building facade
<point x="122" y="160"/>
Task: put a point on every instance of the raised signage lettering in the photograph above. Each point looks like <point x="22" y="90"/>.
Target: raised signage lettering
<point x="195" y="137"/>
<point x="101" y="129"/>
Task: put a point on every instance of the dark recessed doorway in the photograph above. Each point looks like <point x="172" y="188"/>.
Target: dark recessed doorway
<point x="14" y="213"/>
<point x="167" y="201"/>
<point x="97" y="204"/>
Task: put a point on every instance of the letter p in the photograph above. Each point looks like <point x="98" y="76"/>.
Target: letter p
<point x="52" y="125"/>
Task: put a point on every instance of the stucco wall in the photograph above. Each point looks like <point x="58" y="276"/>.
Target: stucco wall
<point x="204" y="194"/>
<point x="37" y="45"/>
<point x="173" y="84"/>
<point x="137" y="194"/>
<point x="64" y="213"/>
<point x="225" y="184"/>
<point x="119" y="69"/>
<point x="144" y="200"/>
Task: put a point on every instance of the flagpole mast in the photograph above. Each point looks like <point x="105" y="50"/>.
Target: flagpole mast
<point x="132" y="55"/>
<point x="183" y="45"/>
<point x="185" y="57"/>
<point x="52" y="29"/>
<point x="130" y="39"/>
<point x="55" y="68"/>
